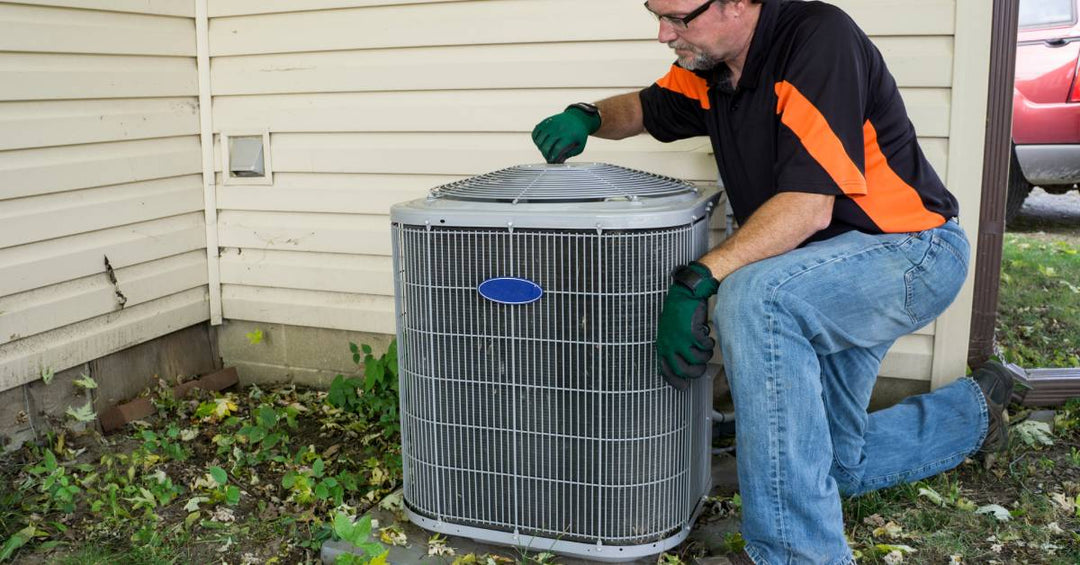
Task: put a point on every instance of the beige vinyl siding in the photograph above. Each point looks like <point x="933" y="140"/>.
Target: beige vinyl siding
<point x="99" y="157"/>
<point x="180" y="8"/>
<point x="890" y="17"/>
<point x="372" y="102"/>
<point x="970" y="95"/>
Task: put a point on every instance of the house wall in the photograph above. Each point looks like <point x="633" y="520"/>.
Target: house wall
<point x="370" y="102"/>
<point x="99" y="158"/>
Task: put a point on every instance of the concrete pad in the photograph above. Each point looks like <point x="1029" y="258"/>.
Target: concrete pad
<point x="416" y="550"/>
<point x="708" y="534"/>
<point x="715" y="560"/>
<point x="1045" y="416"/>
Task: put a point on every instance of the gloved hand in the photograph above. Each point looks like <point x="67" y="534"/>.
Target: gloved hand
<point x="683" y="345"/>
<point x="563" y="135"/>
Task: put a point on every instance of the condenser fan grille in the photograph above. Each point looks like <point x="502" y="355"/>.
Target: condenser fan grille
<point x="584" y="182"/>
<point x="546" y="418"/>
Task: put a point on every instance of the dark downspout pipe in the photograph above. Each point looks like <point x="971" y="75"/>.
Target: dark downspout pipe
<point x="994" y="181"/>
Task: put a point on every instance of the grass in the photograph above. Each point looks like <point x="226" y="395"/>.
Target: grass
<point x="938" y="519"/>
<point x="154" y="552"/>
<point x="1039" y="485"/>
<point x="1039" y="300"/>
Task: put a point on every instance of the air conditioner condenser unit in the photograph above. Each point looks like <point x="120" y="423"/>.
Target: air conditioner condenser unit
<point x="532" y="410"/>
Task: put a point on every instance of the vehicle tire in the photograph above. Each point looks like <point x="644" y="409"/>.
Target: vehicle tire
<point x="1058" y="188"/>
<point x="1018" y="189"/>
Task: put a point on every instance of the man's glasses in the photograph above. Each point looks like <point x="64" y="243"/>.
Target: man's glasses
<point x="681" y="22"/>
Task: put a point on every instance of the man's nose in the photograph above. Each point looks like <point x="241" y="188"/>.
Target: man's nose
<point x="667" y="33"/>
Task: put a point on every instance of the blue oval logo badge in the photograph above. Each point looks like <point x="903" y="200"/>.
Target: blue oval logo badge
<point x="509" y="290"/>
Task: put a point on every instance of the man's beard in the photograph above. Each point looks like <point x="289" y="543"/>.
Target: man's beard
<point x="699" y="62"/>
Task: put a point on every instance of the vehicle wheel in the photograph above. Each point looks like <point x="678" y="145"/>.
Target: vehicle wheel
<point x="1058" y="188"/>
<point x="1018" y="189"/>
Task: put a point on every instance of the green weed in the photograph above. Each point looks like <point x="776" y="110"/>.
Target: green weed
<point x="378" y="396"/>
<point x="52" y="479"/>
<point x="358" y="534"/>
<point x="166" y="444"/>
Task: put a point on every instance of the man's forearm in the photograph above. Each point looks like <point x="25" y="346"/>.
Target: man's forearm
<point x="621" y="116"/>
<point x="778" y="226"/>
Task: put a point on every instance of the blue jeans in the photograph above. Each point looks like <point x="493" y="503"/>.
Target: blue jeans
<point x="803" y="335"/>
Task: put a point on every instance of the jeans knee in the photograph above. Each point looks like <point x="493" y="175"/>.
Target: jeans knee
<point x="739" y="301"/>
<point x="847" y="483"/>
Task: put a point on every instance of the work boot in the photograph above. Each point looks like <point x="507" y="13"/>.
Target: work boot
<point x="996" y="383"/>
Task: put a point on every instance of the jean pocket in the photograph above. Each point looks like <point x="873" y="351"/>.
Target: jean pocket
<point x="933" y="283"/>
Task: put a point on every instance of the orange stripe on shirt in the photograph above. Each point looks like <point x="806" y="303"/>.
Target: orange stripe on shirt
<point x="686" y="83"/>
<point x="894" y="205"/>
<point x="810" y="126"/>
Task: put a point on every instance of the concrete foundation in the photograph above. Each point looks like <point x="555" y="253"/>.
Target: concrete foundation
<point x="292" y="354"/>
<point x="28" y="411"/>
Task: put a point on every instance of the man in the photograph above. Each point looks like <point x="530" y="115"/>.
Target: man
<point x="847" y="241"/>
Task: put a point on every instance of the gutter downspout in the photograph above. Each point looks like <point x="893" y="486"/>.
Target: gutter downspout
<point x="206" y="130"/>
<point x="994" y="181"/>
<point x="1039" y="387"/>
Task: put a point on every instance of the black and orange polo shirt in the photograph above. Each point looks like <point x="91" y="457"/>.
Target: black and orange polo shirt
<point x="815" y="110"/>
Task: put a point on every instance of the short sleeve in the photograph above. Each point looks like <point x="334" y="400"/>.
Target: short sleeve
<point x="675" y="106"/>
<point x="821" y="104"/>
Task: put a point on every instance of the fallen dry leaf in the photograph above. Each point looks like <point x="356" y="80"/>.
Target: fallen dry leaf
<point x="890" y="530"/>
<point x="874" y="520"/>
<point x="393" y="535"/>
<point x="1064" y="502"/>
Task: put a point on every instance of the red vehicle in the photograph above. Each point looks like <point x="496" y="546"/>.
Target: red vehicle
<point x="1046" y="101"/>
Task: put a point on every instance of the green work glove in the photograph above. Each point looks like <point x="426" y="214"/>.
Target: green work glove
<point x="562" y="136"/>
<point x="683" y="345"/>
